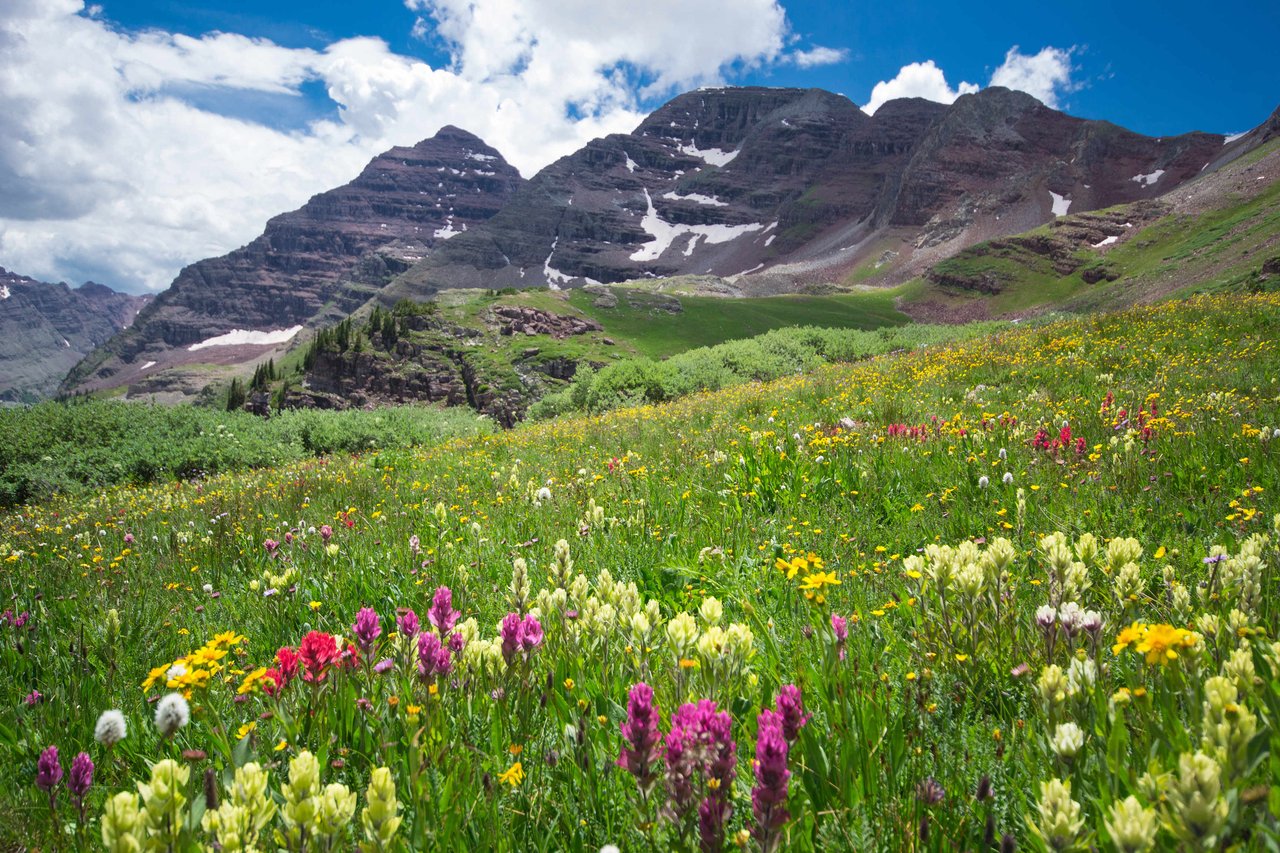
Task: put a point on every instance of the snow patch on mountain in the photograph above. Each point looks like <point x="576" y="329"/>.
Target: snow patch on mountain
<point x="710" y="156"/>
<point x="1061" y="204"/>
<point x="698" y="197"/>
<point x="1148" y="179"/>
<point x="242" y="337"/>
<point x="665" y="233"/>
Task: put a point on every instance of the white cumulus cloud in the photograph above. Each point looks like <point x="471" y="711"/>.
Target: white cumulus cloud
<point x="917" y="80"/>
<point x="115" y="164"/>
<point x="1045" y="75"/>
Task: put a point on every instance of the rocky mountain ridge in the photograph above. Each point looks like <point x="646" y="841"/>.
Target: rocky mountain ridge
<point x="46" y="328"/>
<point x="312" y="266"/>
<point x="771" y="190"/>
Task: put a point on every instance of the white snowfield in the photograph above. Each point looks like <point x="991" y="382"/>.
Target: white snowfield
<point x="665" y="233"/>
<point x="1148" y="179"/>
<point x="698" y="197"/>
<point x="631" y="164"/>
<point x="1232" y="137"/>
<point x="4" y="291"/>
<point x="241" y="337"/>
<point x="148" y="365"/>
<point x="447" y="231"/>
<point x="1061" y="204"/>
<point x="711" y="156"/>
<point x="1106" y="241"/>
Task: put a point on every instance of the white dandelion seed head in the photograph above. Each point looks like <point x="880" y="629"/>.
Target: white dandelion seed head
<point x="1008" y="478"/>
<point x="111" y="728"/>
<point x="983" y="482"/>
<point x="172" y="713"/>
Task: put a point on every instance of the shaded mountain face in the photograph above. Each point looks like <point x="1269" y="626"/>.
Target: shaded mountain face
<point x="803" y="186"/>
<point x="311" y="266"/>
<point x="46" y="328"/>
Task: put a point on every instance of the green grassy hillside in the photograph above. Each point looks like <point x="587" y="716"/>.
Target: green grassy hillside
<point x="1217" y="234"/>
<point x="1019" y="590"/>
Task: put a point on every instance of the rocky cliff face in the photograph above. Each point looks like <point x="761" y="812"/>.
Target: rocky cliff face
<point x="802" y="186"/>
<point x="316" y="264"/>
<point x="46" y="328"/>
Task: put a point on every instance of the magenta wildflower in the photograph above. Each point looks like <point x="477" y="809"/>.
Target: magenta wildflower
<point x="533" y="635"/>
<point x="81" y="780"/>
<point x="128" y="539"/>
<point x="433" y="656"/>
<point x="367" y="627"/>
<point x="33" y="698"/>
<point x="769" y="796"/>
<point x="640" y="730"/>
<point x="383" y="665"/>
<point x="442" y="616"/>
<point x="701" y="743"/>
<point x="49" y="774"/>
<point x="271" y="545"/>
<point x="512" y="632"/>
<point x="407" y="622"/>
<point x="457" y="642"/>
<point x="840" y="626"/>
<point x="415" y="544"/>
<point x="326" y="532"/>
<point x="791" y="712"/>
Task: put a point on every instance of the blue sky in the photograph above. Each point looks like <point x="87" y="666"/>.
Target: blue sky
<point x="143" y="135"/>
<point x="1157" y="68"/>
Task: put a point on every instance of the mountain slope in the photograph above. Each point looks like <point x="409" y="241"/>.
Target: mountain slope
<point x="315" y="264"/>
<point x="46" y="328"/>
<point x="1220" y="231"/>
<point x="792" y="187"/>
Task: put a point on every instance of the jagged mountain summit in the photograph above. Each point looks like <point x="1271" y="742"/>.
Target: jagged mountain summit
<point x="311" y="266"/>
<point x="794" y="186"/>
<point x="46" y="328"/>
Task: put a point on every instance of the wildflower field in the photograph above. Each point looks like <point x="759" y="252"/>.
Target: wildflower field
<point x="1016" y="592"/>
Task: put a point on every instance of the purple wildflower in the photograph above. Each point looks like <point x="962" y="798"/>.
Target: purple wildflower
<point x="33" y="698"/>
<point x="532" y="634"/>
<point x="640" y="730"/>
<point x="383" y="665"/>
<point x="81" y="780"/>
<point x="415" y="544"/>
<point x="367" y="627"/>
<point x="49" y="774"/>
<point x="701" y="742"/>
<point x="407" y="622"/>
<point x="791" y="711"/>
<point x="840" y="626"/>
<point x="271" y="545"/>
<point x="457" y="642"/>
<point x="769" y="796"/>
<point x="512" y="632"/>
<point x="442" y="616"/>
<point x="326" y="532"/>
<point x="433" y="656"/>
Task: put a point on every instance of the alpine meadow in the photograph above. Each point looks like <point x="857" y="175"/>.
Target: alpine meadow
<point x="529" y="425"/>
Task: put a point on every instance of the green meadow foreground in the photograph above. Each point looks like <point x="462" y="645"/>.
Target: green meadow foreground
<point x="1013" y="592"/>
